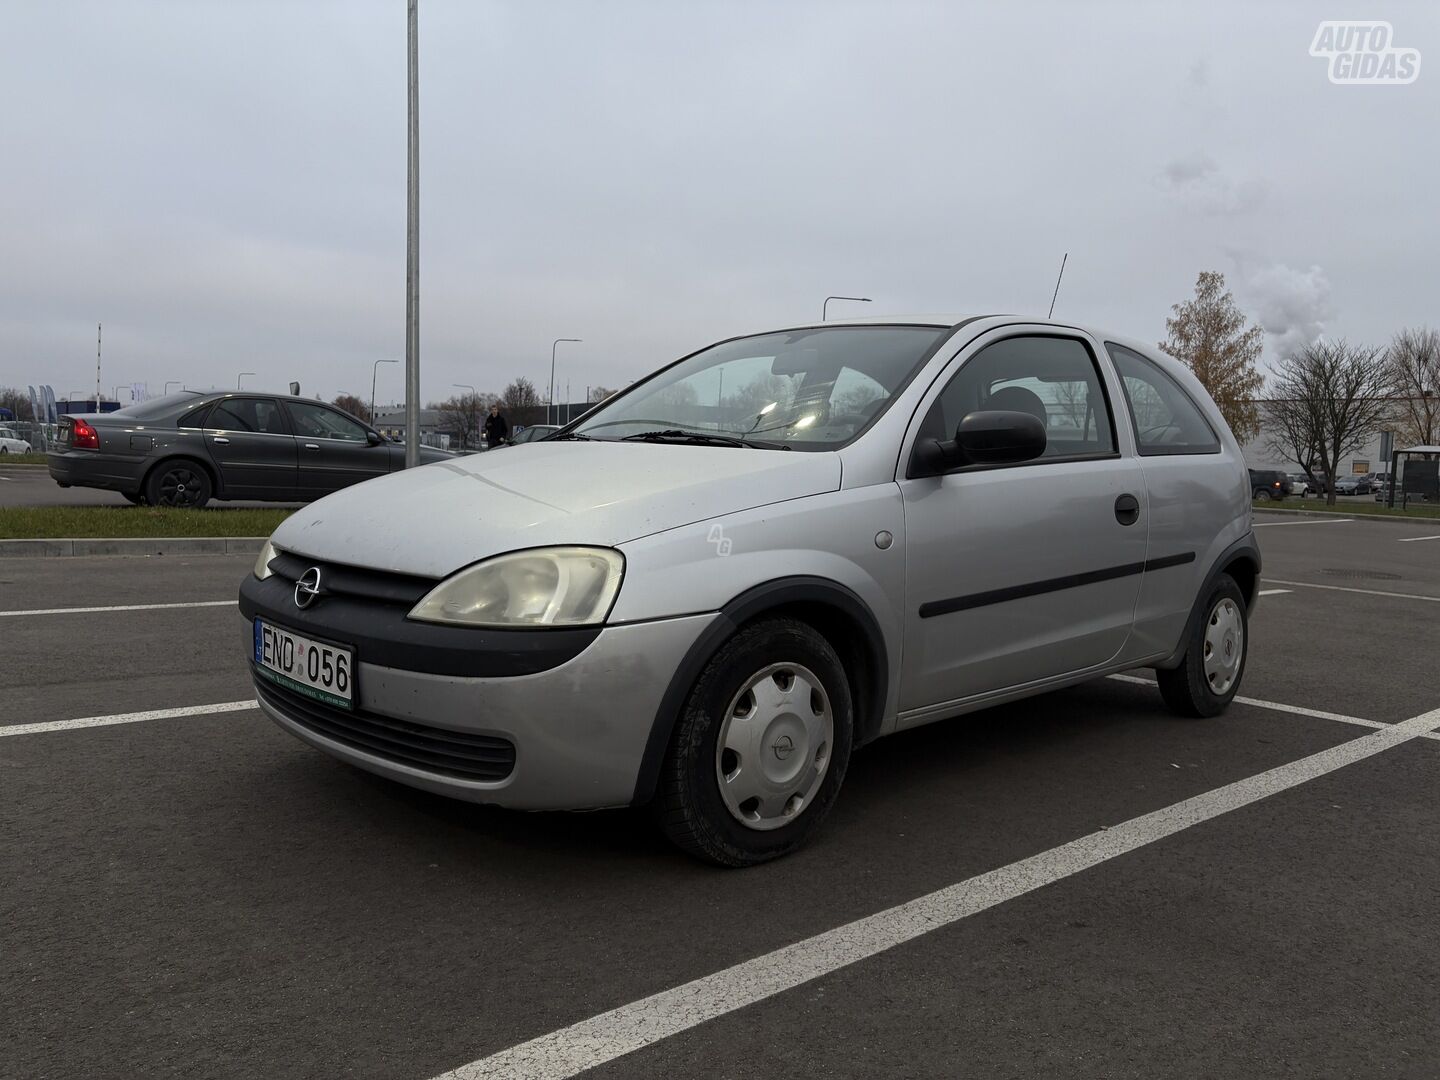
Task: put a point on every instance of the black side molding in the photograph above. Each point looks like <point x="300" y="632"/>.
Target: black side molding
<point x="932" y="608"/>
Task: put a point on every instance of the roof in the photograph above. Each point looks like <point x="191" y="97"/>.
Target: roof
<point x="1421" y="450"/>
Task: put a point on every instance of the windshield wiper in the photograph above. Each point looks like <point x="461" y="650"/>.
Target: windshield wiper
<point x="575" y="435"/>
<point x="706" y="438"/>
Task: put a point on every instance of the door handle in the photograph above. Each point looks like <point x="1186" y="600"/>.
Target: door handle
<point x="312" y="446"/>
<point x="1127" y="509"/>
<point x="220" y="440"/>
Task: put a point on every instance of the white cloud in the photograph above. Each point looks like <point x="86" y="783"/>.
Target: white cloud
<point x="1292" y="305"/>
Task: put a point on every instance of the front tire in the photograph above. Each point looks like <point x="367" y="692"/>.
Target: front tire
<point x="760" y="748"/>
<point x="1209" y="677"/>
<point x="178" y="483"/>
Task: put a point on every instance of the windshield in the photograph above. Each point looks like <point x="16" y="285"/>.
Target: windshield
<point x="803" y="389"/>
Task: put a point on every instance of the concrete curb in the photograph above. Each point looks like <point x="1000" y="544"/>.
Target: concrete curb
<point x="1352" y="516"/>
<point x="164" y="545"/>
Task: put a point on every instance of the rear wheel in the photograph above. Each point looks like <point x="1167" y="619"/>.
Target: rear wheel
<point x="178" y="483"/>
<point x="761" y="747"/>
<point x="1209" y="676"/>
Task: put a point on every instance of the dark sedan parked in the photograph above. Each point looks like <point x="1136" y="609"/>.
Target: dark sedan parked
<point x="188" y="448"/>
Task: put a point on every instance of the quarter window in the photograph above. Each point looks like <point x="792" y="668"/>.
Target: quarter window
<point x="1166" y="420"/>
<point x="1052" y="378"/>
<point x="248" y="414"/>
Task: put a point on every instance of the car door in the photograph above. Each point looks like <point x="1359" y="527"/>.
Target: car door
<point x="335" y="450"/>
<point x="253" y="450"/>
<point x="1020" y="573"/>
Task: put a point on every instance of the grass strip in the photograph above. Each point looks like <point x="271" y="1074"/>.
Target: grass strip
<point x="123" y="522"/>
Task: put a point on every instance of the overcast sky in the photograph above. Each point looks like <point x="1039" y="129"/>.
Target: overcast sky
<point x="223" y="184"/>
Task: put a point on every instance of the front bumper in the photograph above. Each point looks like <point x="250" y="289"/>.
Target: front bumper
<point x="579" y="729"/>
<point x="91" y="468"/>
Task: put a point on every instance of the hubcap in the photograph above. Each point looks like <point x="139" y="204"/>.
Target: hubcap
<point x="1224" y="645"/>
<point x="774" y="746"/>
<point x="179" y="487"/>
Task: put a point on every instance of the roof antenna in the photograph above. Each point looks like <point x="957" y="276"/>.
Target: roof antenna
<point x="1057" y="285"/>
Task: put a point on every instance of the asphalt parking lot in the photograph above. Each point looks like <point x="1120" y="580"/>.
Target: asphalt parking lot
<point x="1076" y="885"/>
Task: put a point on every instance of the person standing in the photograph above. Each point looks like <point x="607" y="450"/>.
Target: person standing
<point x="497" y="428"/>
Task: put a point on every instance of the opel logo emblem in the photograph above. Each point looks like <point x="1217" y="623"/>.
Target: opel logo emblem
<point x="307" y="588"/>
<point x="784" y="747"/>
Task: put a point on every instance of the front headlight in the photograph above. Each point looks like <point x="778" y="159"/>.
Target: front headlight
<point x="559" y="586"/>
<point x="262" y="561"/>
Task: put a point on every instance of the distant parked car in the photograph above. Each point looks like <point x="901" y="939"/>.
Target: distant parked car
<point x="1355" y="485"/>
<point x="190" y="447"/>
<point x="535" y="432"/>
<point x="1269" y="484"/>
<point x="11" y="443"/>
<point x="1300" y="484"/>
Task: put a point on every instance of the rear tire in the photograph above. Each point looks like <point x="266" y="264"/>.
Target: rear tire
<point x="776" y="694"/>
<point x="178" y="483"/>
<point x="1209" y="677"/>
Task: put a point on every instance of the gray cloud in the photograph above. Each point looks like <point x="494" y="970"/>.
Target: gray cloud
<point x="1199" y="184"/>
<point x="1293" y="305"/>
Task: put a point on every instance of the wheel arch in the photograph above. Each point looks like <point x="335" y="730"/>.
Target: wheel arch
<point x="1241" y="560"/>
<point x="836" y="612"/>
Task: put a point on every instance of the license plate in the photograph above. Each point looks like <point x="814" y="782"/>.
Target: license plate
<point x="314" y="668"/>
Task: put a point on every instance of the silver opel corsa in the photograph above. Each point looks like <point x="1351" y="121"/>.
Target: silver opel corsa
<point x="706" y="593"/>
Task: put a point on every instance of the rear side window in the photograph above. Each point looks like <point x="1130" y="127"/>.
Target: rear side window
<point x="1052" y="378"/>
<point x="195" y="418"/>
<point x="1166" y="420"/>
<point x="248" y="414"/>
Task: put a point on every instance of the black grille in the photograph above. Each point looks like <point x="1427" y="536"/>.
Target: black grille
<point x="436" y="750"/>
<point x="341" y="580"/>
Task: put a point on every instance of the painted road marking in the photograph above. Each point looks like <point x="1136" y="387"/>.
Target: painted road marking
<point x="127" y="718"/>
<point x="1351" y="589"/>
<point x="117" y="607"/>
<point x="1414" y="539"/>
<point x="621" y="1031"/>
<point x="1317" y="521"/>
<point x="1277" y="706"/>
<point x="1274" y="592"/>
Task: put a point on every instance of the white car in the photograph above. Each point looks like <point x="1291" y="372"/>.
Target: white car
<point x="11" y="443"/>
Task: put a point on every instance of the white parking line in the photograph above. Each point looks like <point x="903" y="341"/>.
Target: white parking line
<point x="621" y="1031"/>
<point x="1414" y="539"/>
<point x="1274" y="592"/>
<point x="1316" y="521"/>
<point x="116" y="607"/>
<point x="127" y="718"/>
<point x="1351" y="589"/>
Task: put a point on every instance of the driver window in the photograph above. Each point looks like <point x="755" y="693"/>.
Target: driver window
<point x="318" y="422"/>
<point x="1053" y="379"/>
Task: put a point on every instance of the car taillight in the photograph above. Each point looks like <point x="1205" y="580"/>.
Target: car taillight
<point x="84" y="437"/>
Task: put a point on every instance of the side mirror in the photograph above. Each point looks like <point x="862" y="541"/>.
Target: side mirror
<point x="373" y="438"/>
<point x="984" y="438"/>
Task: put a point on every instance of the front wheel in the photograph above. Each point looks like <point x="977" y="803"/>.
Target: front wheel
<point x="1209" y="676"/>
<point x="178" y="483"/>
<point x="760" y="748"/>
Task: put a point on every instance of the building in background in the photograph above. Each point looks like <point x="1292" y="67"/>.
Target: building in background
<point x="390" y="422"/>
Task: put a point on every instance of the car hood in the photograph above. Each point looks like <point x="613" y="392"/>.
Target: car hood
<point x="434" y="519"/>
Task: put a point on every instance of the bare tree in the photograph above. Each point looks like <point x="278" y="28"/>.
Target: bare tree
<point x="461" y="417"/>
<point x="1329" y="400"/>
<point x="1414" y="360"/>
<point x="599" y="393"/>
<point x="520" y="394"/>
<point x="354" y="406"/>
<point x="1210" y="336"/>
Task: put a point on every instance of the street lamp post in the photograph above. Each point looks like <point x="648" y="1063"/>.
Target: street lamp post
<point x="825" y="307"/>
<point x="240" y="377"/>
<point x="373" y="369"/>
<point x="412" y="240"/>
<point x="551" y="400"/>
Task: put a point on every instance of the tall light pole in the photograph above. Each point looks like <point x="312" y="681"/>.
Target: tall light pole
<point x="412" y="247"/>
<point x="551" y="399"/>
<point x="241" y="376"/>
<point x="373" y="369"/>
<point x="825" y="307"/>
